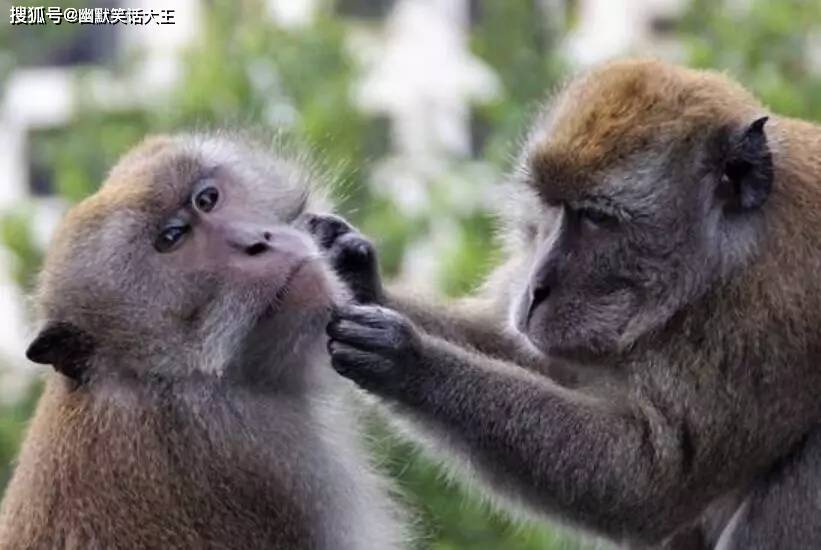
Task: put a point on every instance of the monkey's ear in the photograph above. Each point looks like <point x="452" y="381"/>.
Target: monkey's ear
<point x="64" y="346"/>
<point x="748" y="170"/>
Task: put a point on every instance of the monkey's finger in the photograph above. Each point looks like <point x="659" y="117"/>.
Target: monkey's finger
<point x="354" y="259"/>
<point x="326" y="228"/>
<point x="361" y="336"/>
<point x="352" y="250"/>
<point x="354" y="363"/>
<point x="375" y="316"/>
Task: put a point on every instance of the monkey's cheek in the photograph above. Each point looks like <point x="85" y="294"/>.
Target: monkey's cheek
<point x="572" y="340"/>
<point x="311" y="290"/>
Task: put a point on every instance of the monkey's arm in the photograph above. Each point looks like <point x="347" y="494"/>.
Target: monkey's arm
<point x="476" y="322"/>
<point x="625" y="472"/>
<point x="472" y="323"/>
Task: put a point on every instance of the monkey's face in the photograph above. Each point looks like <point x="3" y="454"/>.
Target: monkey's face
<point x="599" y="271"/>
<point x="636" y="236"/>
<point x="191" y="258"/>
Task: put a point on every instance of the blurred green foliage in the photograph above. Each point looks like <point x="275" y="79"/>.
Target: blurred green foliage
<point x="13" y="418"/>
<point x="772" y="46"/>
<point x="244" y="71"/>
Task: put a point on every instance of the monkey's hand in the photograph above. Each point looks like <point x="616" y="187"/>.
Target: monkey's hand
<point x="351" y="255"/>
<point x="376" y="347"/>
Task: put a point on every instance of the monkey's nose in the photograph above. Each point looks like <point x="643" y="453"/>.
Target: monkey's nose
<point x="538" y="294"/>
<point x="249" y="239"/>
<point x="258" y="248"/>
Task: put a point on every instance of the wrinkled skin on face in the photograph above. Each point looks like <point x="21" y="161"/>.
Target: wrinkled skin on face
<point x="621" y="247"/>
<point x="197" y="245"/>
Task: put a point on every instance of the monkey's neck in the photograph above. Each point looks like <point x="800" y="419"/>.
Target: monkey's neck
<point x="743" y="339"/>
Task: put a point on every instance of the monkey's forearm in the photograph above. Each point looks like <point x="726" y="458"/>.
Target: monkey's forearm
<point x="469" y="323"/>
<point x="462" y="322"/>
<point x="477" y="323"/>
<point x="568" y="455"/>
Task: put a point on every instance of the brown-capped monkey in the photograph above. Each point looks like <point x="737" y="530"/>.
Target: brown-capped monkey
<point x="193" y="406"/>
<point x="666" y="233"/>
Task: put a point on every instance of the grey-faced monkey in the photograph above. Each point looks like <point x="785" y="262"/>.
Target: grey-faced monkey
<point x="666" y="233"/>
<point x="193" y="406"/>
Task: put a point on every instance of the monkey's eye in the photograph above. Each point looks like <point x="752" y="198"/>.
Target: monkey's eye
<point x="170" y="238"/>
<point x="206" y="200"/>
<point x="597" y="217"/>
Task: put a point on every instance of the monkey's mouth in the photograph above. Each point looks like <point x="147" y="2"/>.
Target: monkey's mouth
<point x="588" y="333"/>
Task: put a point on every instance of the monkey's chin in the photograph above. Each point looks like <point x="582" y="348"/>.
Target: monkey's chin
<point x="591" y="350"/>
<point x="580" y="355"/>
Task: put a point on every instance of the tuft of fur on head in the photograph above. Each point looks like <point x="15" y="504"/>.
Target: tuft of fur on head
<point x="622" y="107"/>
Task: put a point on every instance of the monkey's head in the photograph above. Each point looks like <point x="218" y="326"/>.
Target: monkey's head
<point x="189" y="260"/>
<point x="653" y="183"/>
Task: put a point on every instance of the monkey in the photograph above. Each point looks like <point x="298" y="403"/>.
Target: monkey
<point x="192" y="404"/>
<point x="663" y="231"/>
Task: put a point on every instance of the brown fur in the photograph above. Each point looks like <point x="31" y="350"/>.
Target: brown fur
<point x="83" y="483"/>
<point x="624" y="106"/>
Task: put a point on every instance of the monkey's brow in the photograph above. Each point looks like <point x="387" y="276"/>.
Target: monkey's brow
<point x="206" y="172"/>
<point x="555" y="195"/>
<point x="606" y="204"/>
<point x="201" y="173"/>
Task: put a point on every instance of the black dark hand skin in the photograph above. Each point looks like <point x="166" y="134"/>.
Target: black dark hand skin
<point x="373" y="346"/>
<point x="377" y="348"/>
<point x="351" y="255"/>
